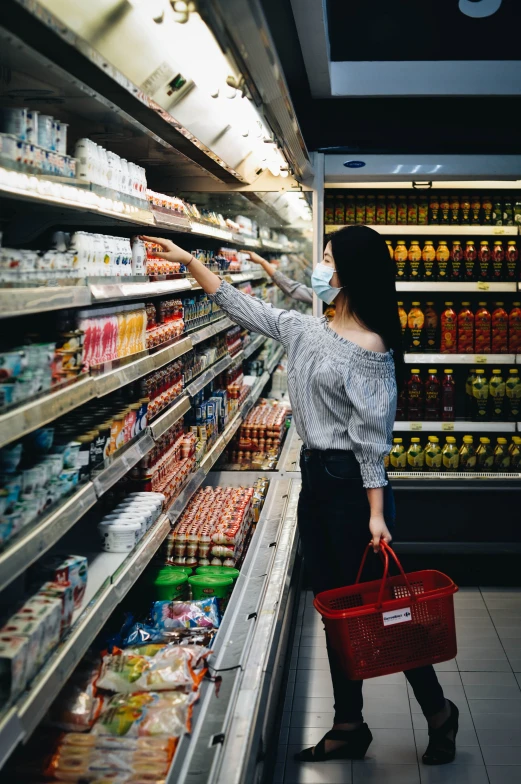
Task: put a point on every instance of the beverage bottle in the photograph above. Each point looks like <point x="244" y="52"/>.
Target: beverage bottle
<point x="444" y="209"/>
<point x="381" y="209"/>
<point x="470" y="255"/>
<point x="513" y="396"/>
<point x="465" y="210"/>
<point x="480" y="390"/>
<point x="498" y="261"/>
<point x="433" y="454"/>
<point x="340" y="209"/>
<point x="415" y="397"/>
<point x="501" y="456"/>
<point x="469" y="401"/>
<point x="465" y="329"/>
<point x="415" y="456"/>
<point x="497" y="391"/>
<point x="484" y="455"/>
<point x="431" y="327"/>
<point x="508" y="211"/>
<point x="484" y="259"/>
<point x="414" y="256"/>
<point x="497" y="212"/>
<point x="390" y="248"/>
<point x="350" y="209"/>
<point x="329" y="209"/>
<point x="511" y="259"/>
<point x="400" y="257"/>
<point x="360" y="209"/>
<point x="442" y="260"/>
<point x="428" y="256"/>
<point x="475" y="210"/>
<point x="401" y="210"/>
<point x="391" y="209"/>
<point x="514" y="329"/>
<point x="402" y="315"/>
<point x="434" y="208"/>
<point x="423" y="211"/>
<point x="412" y="209"/>
<point x="370" y="210"/>
<point x="499" y="329"/>
<point x="448" y="396"/>
<point x="454" y="208"/>
<point x="467" y="455"/>
<point x="450" y="455"/>
<point x="456" y="261"/>
<point x="486" y="205"/>
<point x="416" y="326"/>
<point x="483" y="329"/>
<point x="515" y="454"/>
<point x="432" y="396"/>
<point x="449" y="330"/>
<point x="398" y="456"/>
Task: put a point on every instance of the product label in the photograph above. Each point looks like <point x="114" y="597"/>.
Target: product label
<point x="397" y="616"/>
<point x="447" y="425"/>
<point x="415" y="425"/>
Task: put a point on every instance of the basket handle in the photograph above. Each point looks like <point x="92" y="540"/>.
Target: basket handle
<point x="385" y="550"/>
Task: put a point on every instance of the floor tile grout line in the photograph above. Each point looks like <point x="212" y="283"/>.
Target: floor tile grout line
<point x="414" y="736"/>
<point x="499" y="638"/>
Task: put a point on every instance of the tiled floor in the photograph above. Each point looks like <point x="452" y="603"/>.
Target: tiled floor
<point x="484" y="681"/>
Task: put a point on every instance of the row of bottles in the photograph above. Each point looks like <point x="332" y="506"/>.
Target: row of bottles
<point x="494" y="331"/>
<point x="488" y="397"/>
<point x="422" y="209"/>
<point x="487" y="458"/>
<point x="486" y="261"/>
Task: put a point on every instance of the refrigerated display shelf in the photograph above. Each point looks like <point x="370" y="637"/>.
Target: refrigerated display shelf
<point x="464" y="231"/>
<point x="122" y="463"/>
<point x="455" y="427"/>
<point x="255" y="344"/>
<point x="208" y="375"/>
<point x="104" y="291"/>
<point x="168" y="418"/>
<point x="460" y="359"/>
<point x="40" y="299"/>
<point x="453" y="475"/>
<point x="211" y="330"/>
<point x="456" y="287"/>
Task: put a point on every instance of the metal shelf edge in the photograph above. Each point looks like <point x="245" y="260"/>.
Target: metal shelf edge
<point x="459" y="359"/>
<point x="453" y="230"/>
<point x="172" y="415"/>
<point x="121" y="464"/>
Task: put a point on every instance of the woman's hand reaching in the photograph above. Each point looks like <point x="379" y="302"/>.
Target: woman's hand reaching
<point x="171" y="251"/>
<point x="254" y="256"/>
<point x="379" y="531"/>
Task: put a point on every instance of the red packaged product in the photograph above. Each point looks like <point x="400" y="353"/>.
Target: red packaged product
<point x="514" y="329"/>
<point x="465" y="329"/>
<point x="483" y="327"/>
<point x="449" y="330"/>
<point x="500" y="329"/>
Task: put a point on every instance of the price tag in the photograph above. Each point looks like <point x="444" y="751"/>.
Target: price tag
<point x="480" y="359"/>
<point x="483" y="285"/>
<point x="498" y="230"/>
<point x="447" y="425"/>
<point x="415" y="426"/>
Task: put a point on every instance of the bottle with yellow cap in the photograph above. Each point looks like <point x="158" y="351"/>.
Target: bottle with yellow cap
<point x="414" y="256"/>
<point x="400" y="258"/>
<point x="480" y="390"/>
<point x="484" y="455"/>
<point x="402" y="315"/>
<point x="501" y="456"/>
<point x="416" y="325"/>
<point x="428" y="256"/>
<point x="397" y="457"/>
<point x="467" y="454"/>
<point x="450" y="455"/>
<point x="515" y="454"/>
<point x="415" y="456"/>
<point x="513" y="396"/>
<point x="497" y="395"/>
<point x="433" y="454"/>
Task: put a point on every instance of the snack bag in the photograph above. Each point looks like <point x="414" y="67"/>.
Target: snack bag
<point x="176" y="615"/>
<point x="145" y="714"/>
<point x="154" y="668"/>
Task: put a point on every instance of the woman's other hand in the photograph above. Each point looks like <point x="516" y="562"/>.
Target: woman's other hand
<point x="379" y="531"/>
<point x="170" y="252"/>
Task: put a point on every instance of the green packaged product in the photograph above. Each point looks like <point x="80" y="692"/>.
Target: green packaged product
<point x="170" y="587"/>
<point x="204" y="586"/>
<point x="219" y="571"/>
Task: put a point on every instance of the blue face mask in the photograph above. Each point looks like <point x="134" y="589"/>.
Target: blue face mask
<point x="322" y="274"/>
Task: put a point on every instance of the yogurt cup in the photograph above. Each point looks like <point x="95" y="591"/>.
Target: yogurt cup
<point x="117" y="518"/>
<point x="118" y="537"/>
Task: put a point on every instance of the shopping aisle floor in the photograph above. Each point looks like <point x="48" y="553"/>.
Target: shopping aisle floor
<point x="484" y="681"/>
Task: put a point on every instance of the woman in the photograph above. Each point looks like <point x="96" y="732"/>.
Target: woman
<point x="297" y="291"/>
<point x="342" y="386"/>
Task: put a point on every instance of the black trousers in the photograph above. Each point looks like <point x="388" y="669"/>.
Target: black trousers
<point x="333" y="519"/>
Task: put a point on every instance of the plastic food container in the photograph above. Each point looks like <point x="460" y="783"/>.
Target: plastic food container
<point x="118" y="537"/>
<point x="219" y="571"/>
<point x="204" y="586"/>
<point x="171" y="587"/>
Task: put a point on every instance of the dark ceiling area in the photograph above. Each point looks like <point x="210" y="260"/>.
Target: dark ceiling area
<point x="455" y="125"/>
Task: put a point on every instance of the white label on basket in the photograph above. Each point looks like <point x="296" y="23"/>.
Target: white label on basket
<point x="397" y="616"/>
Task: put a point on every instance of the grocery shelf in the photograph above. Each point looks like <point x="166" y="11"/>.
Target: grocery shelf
<point x="255" y="344"/>
<point x="103" y="292"/>
<point x="34" y="540"/>
<point x="122" y="462"/>
<point x="455" y="427"/>
<point x="462" y="231"/>
<point x="274" y="361"/>
<point x="210" y="330"/>
<point x="289" y="461"/>
<point x="209" y="374"/>
<point x="456" y="287"/>
<point x="36" y="413"/>
<point x="460" y="359"/>
<point x="39" y="299"/>
<point x="453" y="475"/>
<point x="169" y="417"/>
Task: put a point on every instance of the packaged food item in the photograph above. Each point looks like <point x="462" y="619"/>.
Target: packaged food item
<point x="498" y="261"/>
<point x="514" y="329"/>
<point x="432" y="396"/>
<point x="145" y="715"/>
<point x="414" y="256"/>
<point x="484" y="455"/>
<point x="416" y="326"/>
<point x="398" y="456"/>
<point x="400" y="257"/>
<point x="13" y="663"/>
<point x="155" y="667"/>
<point x="423" y="210"/>
<point x="381" y="209"/>
<point x="402" y="314"/>
<point x="141" y="634"/>
<point x="188" y="615"/>
<point x="415" y="456"/>
<point x="465" y="329"/>
<point x="449" y="329"/>
<point x="513" y="395"/>
<point x="391" y="209"/>
<point x="501" y="456"/>
<point x="469" y="399"/>
<point x="204" y="585"/>
<point x="484" y="261"/>
<point x="428" y="256"/>
<point x="48" y="611"/>
<point x="433" y="459"/>
<point x="442" y="261"/>
<point x="515" y="454"/>
<point x="465" y="209"/>
<point x="511" y="261"/>
<point x="467" y="454"/>
<point x="454" y="208"/>
<point x="72" y="570"/>
<point x="456" y="260"/>
<point x="360" y="209"/>
<point x="171" y="587"/>
<point x="497" y="212"/>
<point x="329" y="208"/>
<point x="450" y="455"/>
<point x="499" y="329"/>
<point x="480" y="392"/>
<point x="415" y="396"/>
<point x="434" y="208"/>
<point x="431" y="327"/>
<point x="32" y="629"/>
<point x="475" y="209"/>
<point x="339" y="209"/>
<point x="64" y="594"/>
<point x="448" y="396"/>
<point x="401" y="210"/>
<point x="109" y="765"/>
<point x="486" y="210"/>
<point x="119" y="537"/>
<point x="483" y="329"/>
<point x="412" y="209"/>
<point x="350" y="211"/>
<point x="370" y="209"/>
<point x="497" y="392"/>
<point x="444" y="209"/>
<point x="390" y="248"/>
<point x="470" y="256"/>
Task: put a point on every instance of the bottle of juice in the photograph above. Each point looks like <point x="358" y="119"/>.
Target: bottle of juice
<point x="484" y="259"/>
<point x="370" y="209"/>
<point x="454" y="208"/>
<point x="432" y="396"/>
<point x="400" y="257"/>
<point x="467" y="455"/>
<point x="415" y="397"/>
<point x="511" y="259"/>
<point x="398" y="456"/>
<point x="402" y="315"/>
<point x="329" y="208"/>
<point x="391" y="209"/>
<point x="470" y="255"/>
<point x="501" y="456"/>
<point x="428" y="256"/>
<point x="381" y="209"/>
<point x="414" y="256"/>
<point x="465" y="209"/>
<point x="486" y="206"/>
<point x="431" y="327"/>
<point x="497" y="212"/>
<point x="456" y="260"/>
<point x="498" y="261"/>
<point x="513" y="396"/>
<point x="423" y="210"/>
<point x="416" y="326"/>
<point x="412" y="209"/>
<point x="475" y="209"/>
<point x="448" y="396"/>
<point x="469" y="400"/>
<point x="390" y="248"/>
<point x="401" y="209"/>
<point x="450" y="455"/>
<point x="340" y="209"/>
<point x="360" y="209"/>
<point x="433" y="454"/>
<point x="515" y="454"/>
<point x="508" y="211"/>
<point x="483" y="329"/>
<point x="497" y="391"/>
<point x="480" y="390"/>
<point x="484" y="455"/>
<point x="465" y="329"/>
<point x="514" y="329"/>
<point x="444" y="209"/>
<point x="415" y="456"/>
<point x="449" y="330"/>
<point x="350" y="211"/>
<point x="499" y="329"/>
<point x="442" y="260"/>
<point x="434" y="208"/>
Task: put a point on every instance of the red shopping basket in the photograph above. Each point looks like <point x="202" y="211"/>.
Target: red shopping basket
<point x="393" y="624"/>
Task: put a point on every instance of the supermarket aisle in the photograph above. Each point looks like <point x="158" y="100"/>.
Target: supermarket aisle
<point x="484" y="681"/>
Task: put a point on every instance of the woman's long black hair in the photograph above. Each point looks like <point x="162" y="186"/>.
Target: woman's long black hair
<point x="367" y="275"/>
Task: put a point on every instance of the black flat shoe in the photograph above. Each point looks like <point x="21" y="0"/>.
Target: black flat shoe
<point x="441" y="749"/>
<point x="356" y="742"/>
